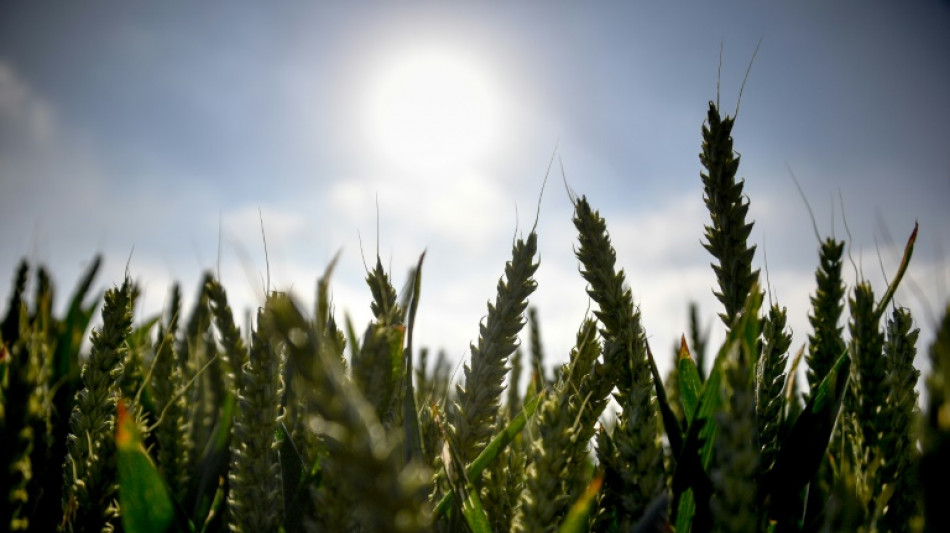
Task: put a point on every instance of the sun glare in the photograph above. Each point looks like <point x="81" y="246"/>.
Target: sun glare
<point x="431" y="109"/>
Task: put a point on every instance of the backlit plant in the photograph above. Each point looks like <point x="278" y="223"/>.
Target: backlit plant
<point x="186" y="422"/>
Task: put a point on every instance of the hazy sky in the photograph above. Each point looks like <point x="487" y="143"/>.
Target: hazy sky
<point x="149" y="130"/>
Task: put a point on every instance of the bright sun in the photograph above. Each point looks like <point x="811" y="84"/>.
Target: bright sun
<point x="431" y="109"/>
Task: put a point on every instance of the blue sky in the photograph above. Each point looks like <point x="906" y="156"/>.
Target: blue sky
<point x="151" y="130"/>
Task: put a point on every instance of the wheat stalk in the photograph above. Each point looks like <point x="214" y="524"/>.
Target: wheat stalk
<point x="727" y="236"/>
<point x="770" y="397"/>
<point x="631" y="455"/>
<point x="473" y="419"/>
<point x="898" y="447"/>
<point x="89" y="472"/>
<point x="255" y="500"/>
<point x="825" y="343"/>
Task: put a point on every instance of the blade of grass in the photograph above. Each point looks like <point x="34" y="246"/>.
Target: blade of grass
<point x="494" y="447"/>
<point x="892" y="288"/>
<point x="801" y="451"/>
<point x="145" y="501"/>
<point x="292" y="477"/>
<point x="577" y="518"/>
<point x="410" y="412"/>
<point x="673" y="430"/>
<point x="691" y="384"/>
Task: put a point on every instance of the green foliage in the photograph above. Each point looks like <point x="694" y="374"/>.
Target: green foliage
<point x="275" y="429"/>
<point x="935" y="463"/>
<point x="143" y="496"/>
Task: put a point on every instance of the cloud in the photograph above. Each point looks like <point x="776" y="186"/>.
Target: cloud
<point x="50" y="176"/>
<point x="21" y="110"/>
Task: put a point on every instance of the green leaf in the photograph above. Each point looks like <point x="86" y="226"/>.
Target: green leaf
<point x="905" y="261"/>
<point x="473" y="512"/>
<point x="145" y="501"/>
<point x="291" y="475"/>
<point x="801" y="452"/>
<point x="140" y="335"/>
<point x="691" y="384"/>
<point x="410" y="412"/>
<point x="577" y="519"/>
<point x="694" y="460"/>
<point x="213" y="463"/>
<point x="73" y="329"/>
<point x="494" y="447"/>
<point x="672" y="426"/>
<point x="741" y="341"/>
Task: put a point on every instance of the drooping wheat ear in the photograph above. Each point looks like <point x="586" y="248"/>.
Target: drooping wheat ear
<point x="255" y="499"/>
<point x="898" y="444"/>
<point x="383" y="492"/>
<point x="770" y="394"/>
<point x="727" y="236"/>
<point x="557" y="453"/>
<point x="733" y="474"/>
<point x="936" y="436"/>
<point x="473" y="419"/>
<point x="632" y="455"/>
<point x="89" y="471"/>
<point x="826" y="343"/>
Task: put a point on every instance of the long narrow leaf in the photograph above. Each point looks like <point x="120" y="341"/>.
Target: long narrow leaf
<point x="145" y="501"/>
<point x="672" y="426"/>
<point x="291" y="475"/>
<point x="801" y="452"/>
<point x="577" y="519"/>
<point x="473" y="512"/>
<point x="410" y="412"/>
<point x="905" y="261"/>
<point x="691" y="384"/>
<point x="494" y="447"/>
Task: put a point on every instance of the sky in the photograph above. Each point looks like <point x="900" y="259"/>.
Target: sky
<point x="166" y="136"/>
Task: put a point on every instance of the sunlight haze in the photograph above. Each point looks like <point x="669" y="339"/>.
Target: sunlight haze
<point x="166" y="135"/>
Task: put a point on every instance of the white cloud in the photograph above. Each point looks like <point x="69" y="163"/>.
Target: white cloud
<point x="462" y="209"/>
<point x="21" y="108"/>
